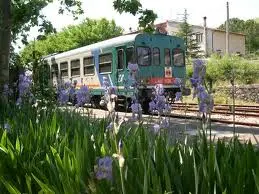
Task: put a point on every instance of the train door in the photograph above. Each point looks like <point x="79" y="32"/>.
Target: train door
<point x="124" y="56"/>
<point x="120" y="68"/>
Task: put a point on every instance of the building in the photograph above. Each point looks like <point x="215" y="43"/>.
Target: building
<point x="215" y="41"/>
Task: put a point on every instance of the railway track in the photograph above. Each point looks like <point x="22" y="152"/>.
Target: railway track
<point x="219" y="109"/>
<point x="252" y="111"/>
<point x="244" y="111"/>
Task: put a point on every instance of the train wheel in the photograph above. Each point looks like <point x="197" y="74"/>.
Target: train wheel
<point x="95" y="102"/>
<point x="145" y="106"/>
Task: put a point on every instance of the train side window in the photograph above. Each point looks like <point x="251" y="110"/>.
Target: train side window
<point x="167" y="57"/>
<point x="75" y="67"/>
<point x="105" y="63"/>
<point x="178" y="57"/>
<point x="144" y="56"/>
<point x="120" y="54"/>
<point x="54" y="71"/>
<point x="64" y="69"/>
<point x="130" y="55"/>
<point x="88" y="65"/>
<point x="156" y="56"/>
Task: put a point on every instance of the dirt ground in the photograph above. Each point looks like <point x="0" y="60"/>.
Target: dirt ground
<point x="179" y="128"/>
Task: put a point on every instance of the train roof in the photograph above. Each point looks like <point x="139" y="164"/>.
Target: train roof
<point x="99" y="45"/>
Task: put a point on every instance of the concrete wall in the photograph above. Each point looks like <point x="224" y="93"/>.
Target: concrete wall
<point x="236" y="42"/>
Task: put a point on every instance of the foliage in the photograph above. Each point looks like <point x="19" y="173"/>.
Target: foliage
<point x="88" y="32"/>
<point x="186" y="32"/>
<point x="227" y="68"/>
<point x="24" y="17"/>
<point x="147" y="17"/>
<point x="57" y="152"/>
<point x="219" y="70"/>
<point x="249" y="27"/>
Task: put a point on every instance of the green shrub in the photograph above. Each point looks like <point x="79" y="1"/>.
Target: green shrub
<point x="226" y="68"/>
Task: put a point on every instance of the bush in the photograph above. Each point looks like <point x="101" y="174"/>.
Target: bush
<point x="221" y="69"/>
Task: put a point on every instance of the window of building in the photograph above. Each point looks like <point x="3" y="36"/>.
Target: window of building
<point x="199" y="37"/>
<point x="75" y="67"/>
<point x="144" y="56"/>
<point x="54" y="71"/>
<point x="130" y="55"/>
<point x="167" y="57"/>
<point x="88" y="65"/>
<point x="64" y="69"/>
<point x="156" y="56"/>
<point x="178" y="57"/>
<point x="120" y="54"/>
<point x="105" y="63"/>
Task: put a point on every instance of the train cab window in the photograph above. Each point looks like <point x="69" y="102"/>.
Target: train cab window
<point x="156" y="56"/>
<point x="144" y="56"/>
<point x="105" y="63"/>
<point x="120" y="54"/>
<point x="167" y="57"/>
<point x="64" y="69"/>
<point x="54" y="71"/>
<point x="75" y="67"/>
<point x="130" y="55"/>
<point x="178" y="57"/>
<point x="88" y="65"/>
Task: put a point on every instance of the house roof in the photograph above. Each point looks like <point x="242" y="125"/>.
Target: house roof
<point x="164" y="24"/>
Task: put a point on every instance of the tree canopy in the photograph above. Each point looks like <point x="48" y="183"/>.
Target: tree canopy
<point x="17" y="17"/>
<point x="249" y="27"/>
<point x="74" y="36"/>
<point x="186" y="32"/>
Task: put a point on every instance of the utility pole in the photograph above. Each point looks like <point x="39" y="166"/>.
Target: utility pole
<point x="227" y="30"/>
<point x="205" y="36"/>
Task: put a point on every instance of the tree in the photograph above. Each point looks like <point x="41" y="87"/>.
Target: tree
<point x="16" y="19"/>
<point x="186" y="32"/>
<point x="5" y="37"/>
<point x="235" y="25"/>
<point x="249" y="27"/>
<point x="134" y="7"/>
<point x="27" y="14"/>
<point x="74" y="36"/>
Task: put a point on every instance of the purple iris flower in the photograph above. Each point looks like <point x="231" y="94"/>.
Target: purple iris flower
<point x="152" y="106"/>
<point x="198" y="68"/>
<point x="104" y="168"/>
<point x="82" y="95"/>
<point x="25" y="83"/>
<point x="159" y="89"/>
<point x="24" y="88"/>
<point x="178" y="96"/>
<point x="105" y="82"/>
<point x="133" y="67"/>
<point x="135" y="107"/>
<point x="63" y="96"/>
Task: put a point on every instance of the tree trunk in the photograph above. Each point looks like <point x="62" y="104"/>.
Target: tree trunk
<point x="5" y="40"/>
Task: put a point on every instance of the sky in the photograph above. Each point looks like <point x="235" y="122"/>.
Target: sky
<point x="214" y="10"/>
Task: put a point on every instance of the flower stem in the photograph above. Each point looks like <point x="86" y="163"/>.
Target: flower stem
<point x="122" y="182"/>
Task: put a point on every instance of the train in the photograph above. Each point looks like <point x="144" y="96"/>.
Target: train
<point x="160" y="58"/>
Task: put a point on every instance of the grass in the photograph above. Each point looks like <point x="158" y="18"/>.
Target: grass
<point x="52" y="151"/>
